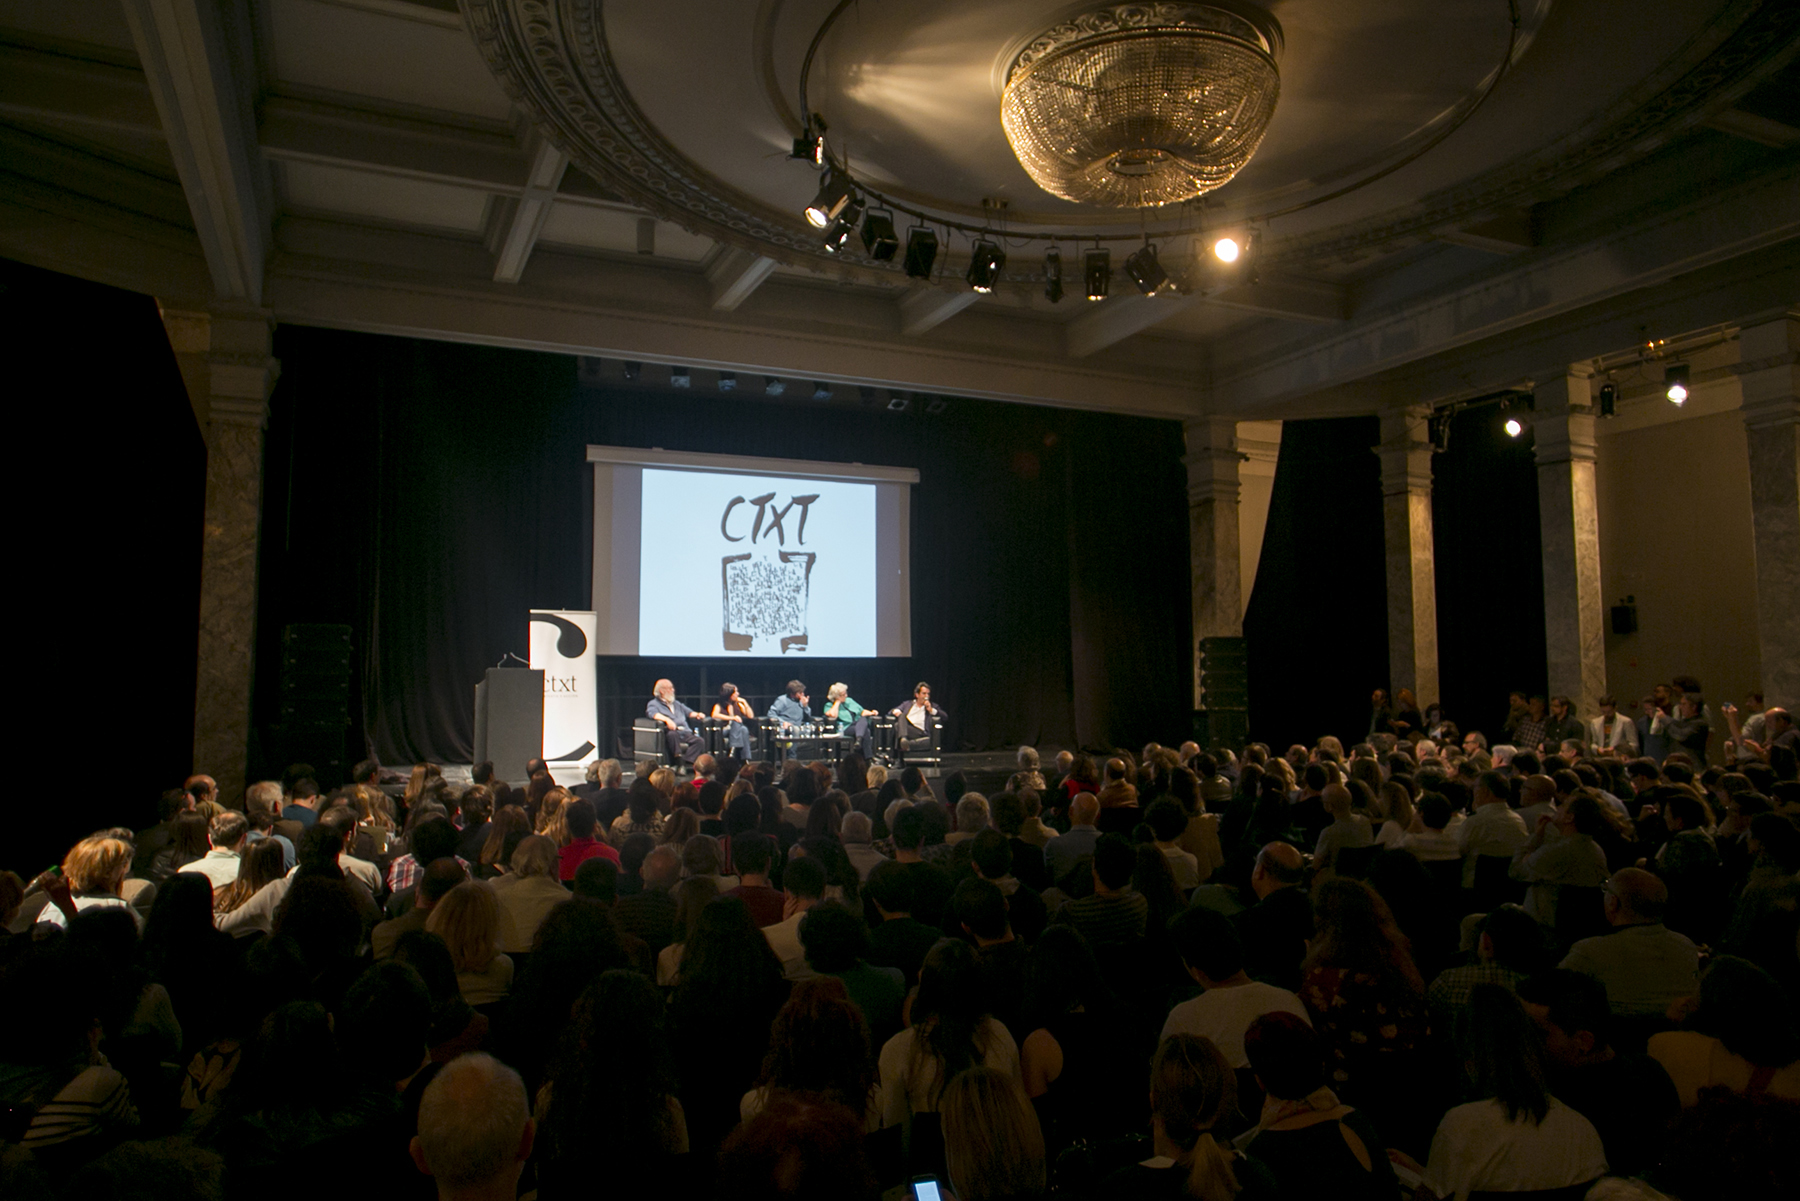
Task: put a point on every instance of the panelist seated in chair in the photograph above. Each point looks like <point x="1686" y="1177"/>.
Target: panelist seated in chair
<point x="673" y="716"/>
<point x="913" y="731"/>
<point x="732" y="709"/>
<point x="791" y="711"/>
<point x="851" y="718"/>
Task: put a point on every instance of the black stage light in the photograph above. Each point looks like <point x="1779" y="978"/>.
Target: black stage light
<point x="837" y="235"/>
<point x="985" y="264"/>
<point x="1675" y="383"/>
<point x="633" y="370"/>
<point x="869" y="396"/>
<point x="1096" y="270"/>
<point x="878" y="237"/>
<point x="921" y="251"/>
<point x="727" y="381"/>
<point x="1609" y="399"/>
<point x="1439" y="427"/>
<point x="1053" y="286"/>
<point x="821" y="390"/>
<point x="679" y="378"/>
<point x="898" y="401"/>
<point x="1141" y="265"/>
<point x="774" y="385"/>
<point x="937" y="405"/>
<point x="809" y="147"/>
<point x="835" y="194"/>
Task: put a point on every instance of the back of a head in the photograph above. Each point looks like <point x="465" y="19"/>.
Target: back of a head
<point x="1502" y="1048"/>
<point x="972" y="813"/>
<point x="472" y="1122"/>
<point x="955" y="785"/>
<point x="580" y="818"/>
<point x="1745" y="1007"/>
<point x="597" y="879"/>
<point x="992" y="854"/>
<point x="1517" y="938"/>
<point x="890" y="886"/>
<point x="441" y="875"/>
<point x="1434" y="810"/>
<point x="909" y="828"/>
<point x="981" y="906"/>
<point x="993" y="1145"/>
<point x="1640" y="893"/>
<point x="1574" y="1002"/>
<point x="833" y="937"/>
<point x="912" y="779"/>
<point x="434" y="838"/>
<point x="1286" y="1055"/>
<point x="798" y="1148"/>
<point x="1209" y="943"/>
<point x="381" y="1025"/>
<point x="856" y="828"/>
<point x="1191" y="1089"/>
<point x="701" y="855"/>
<point x="804" y="878"/>
<point x="1114" y="860"/>
<point x="753" y="853"/>
<point x="1167" y="820"/>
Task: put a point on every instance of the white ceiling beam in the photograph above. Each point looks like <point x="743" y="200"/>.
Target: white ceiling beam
<point x="1723" y="224"/>
<point x="733" y="273"/>
<point x="1762" y="130"/>
<point x="513" y="231"/>
<point x="197" y="63"/>
<point x="1112" y="321"/>
<point x="1288" y="296"/>
<point x="924" y="309"/>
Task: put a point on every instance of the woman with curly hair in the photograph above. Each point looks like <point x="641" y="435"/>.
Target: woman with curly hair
<point x="819" y="1045"/>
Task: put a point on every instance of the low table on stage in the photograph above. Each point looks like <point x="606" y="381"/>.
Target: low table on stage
<point x="809" y="743"/>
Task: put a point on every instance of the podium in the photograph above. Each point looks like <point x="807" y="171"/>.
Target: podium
<point x="509" y="720"/>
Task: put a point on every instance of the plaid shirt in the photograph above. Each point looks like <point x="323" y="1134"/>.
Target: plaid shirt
<point x="1450" y="991"/>
<point x="404" y="872"/>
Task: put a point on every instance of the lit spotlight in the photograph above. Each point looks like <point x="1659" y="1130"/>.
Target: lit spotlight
<point x="1053" y="285"/>
<point x="834" y="196"/>
<point x="879" y="240"/>
<point x="1096" y="271"/>
<point x="921" y="251"/>
<point x="1675" y="381"/>
<point x="985" y="264"/>
<point x="1226" y="250"/>
<point x="1145" y="271"/>
<point x="1513" y="427"/>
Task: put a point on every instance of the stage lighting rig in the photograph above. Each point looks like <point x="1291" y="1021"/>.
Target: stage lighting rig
<point x="921" y="251"/>
<point x="1675" y="383"/>
<point x="985" y="264"/>
<point x="1053" y="285"/>
<point x="1145" y="271"/>
<point x="879" y="240"/>
<point x="835" y="195"/>
<point x="1096" y="273"/>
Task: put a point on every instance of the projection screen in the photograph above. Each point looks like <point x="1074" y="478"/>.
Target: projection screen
<point x="709" y="556"/>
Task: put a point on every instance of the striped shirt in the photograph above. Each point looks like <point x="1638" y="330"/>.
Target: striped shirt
<point x="1118" y="918"/>
<point x="95" y="1101"/>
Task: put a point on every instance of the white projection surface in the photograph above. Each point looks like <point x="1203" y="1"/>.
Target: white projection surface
<point x="709" y="556"/>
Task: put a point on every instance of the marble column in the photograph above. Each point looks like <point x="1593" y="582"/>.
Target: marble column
<point x="1405" y="452"/>
<point x="1770" y="376"/>
<point x="1569" y="526"/>
<point x="1212" y="465"/>
<point x="230" y="373"/>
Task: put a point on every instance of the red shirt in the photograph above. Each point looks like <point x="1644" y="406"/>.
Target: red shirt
<point x="580" y="851"/>
<point x="765" y="903"/>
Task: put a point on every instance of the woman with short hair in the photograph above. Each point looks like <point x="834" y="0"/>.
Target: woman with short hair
<point x="95" y="869"/>
<point x="528" y="893"/>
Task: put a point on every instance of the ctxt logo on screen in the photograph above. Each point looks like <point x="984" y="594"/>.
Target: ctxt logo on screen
<point x="769" y="519"/>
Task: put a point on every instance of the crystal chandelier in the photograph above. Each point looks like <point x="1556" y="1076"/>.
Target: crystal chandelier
<point x="1138" y="105"/>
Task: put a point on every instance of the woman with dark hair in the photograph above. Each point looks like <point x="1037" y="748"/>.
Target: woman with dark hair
<point x="951" y="1030"/>
<point x="826" y="814"/>
<point x="1078" y="1064"/>
<point x="505" y="831"/>
<point x="677" y="828"/>
<point x="728" y="990"/>
<point x="609" y="1108"/>
<point x="733" y="708"/>
<point x="188" y="843"/>
<point x="1367" y="1002"/>
<point x="189" y="956"/>
<point x="1518" y="1138"/>
<point x="819" y="1045"/>
<point x="852" y="774"/>
<point x="691" y="896"/>
<point x="1740" y="1034"/>
<point x="642" y="814"/>
<point x="264" y="863"/>
<point x="577" y="943"/>
<point x="1192" y="1090"/>
<point x="540" y="786"/>
<point x="455" y="1028"/>
<point x="1084" y="776"/>
<point x="773" y="802"/>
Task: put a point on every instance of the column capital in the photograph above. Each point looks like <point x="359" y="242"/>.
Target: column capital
<point x="1212" y="460"/>
<point x="1405" y="450"/>
<point x="1562" y="427"/>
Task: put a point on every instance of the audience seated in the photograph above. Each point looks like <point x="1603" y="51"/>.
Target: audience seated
<point x="705" y="1012"/>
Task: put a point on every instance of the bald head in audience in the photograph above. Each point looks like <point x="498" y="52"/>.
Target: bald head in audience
<point x="475" y="1130"/>
<point x="1278" y="866"/>
<point x="1084" y="810"/>
<point x="1635" y="897"/>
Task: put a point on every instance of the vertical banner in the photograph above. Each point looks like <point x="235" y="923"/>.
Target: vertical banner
<point x="562" y="645"/>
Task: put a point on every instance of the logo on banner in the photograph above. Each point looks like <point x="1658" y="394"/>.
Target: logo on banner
<point x="559" y="647"/>
<point x="765" y="591"/>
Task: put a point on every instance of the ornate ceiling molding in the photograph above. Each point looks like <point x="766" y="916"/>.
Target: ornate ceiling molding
<point x="552" y="57"/>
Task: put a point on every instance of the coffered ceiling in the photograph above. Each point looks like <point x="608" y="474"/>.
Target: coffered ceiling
<point x="611" y="178"/>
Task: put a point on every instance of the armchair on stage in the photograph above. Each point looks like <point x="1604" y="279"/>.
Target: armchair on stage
<point x="900" y="742"/>
<point x="650" y="740"/>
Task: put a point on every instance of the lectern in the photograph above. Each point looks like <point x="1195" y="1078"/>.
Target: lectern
<point x="509" y="720"/>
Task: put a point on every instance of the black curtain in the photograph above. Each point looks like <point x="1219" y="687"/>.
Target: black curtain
<point x="1490" y="570"/>
<point x="1316" y="626"/>
<point x="429" y="494"/>
<point x="109" y="496"/>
